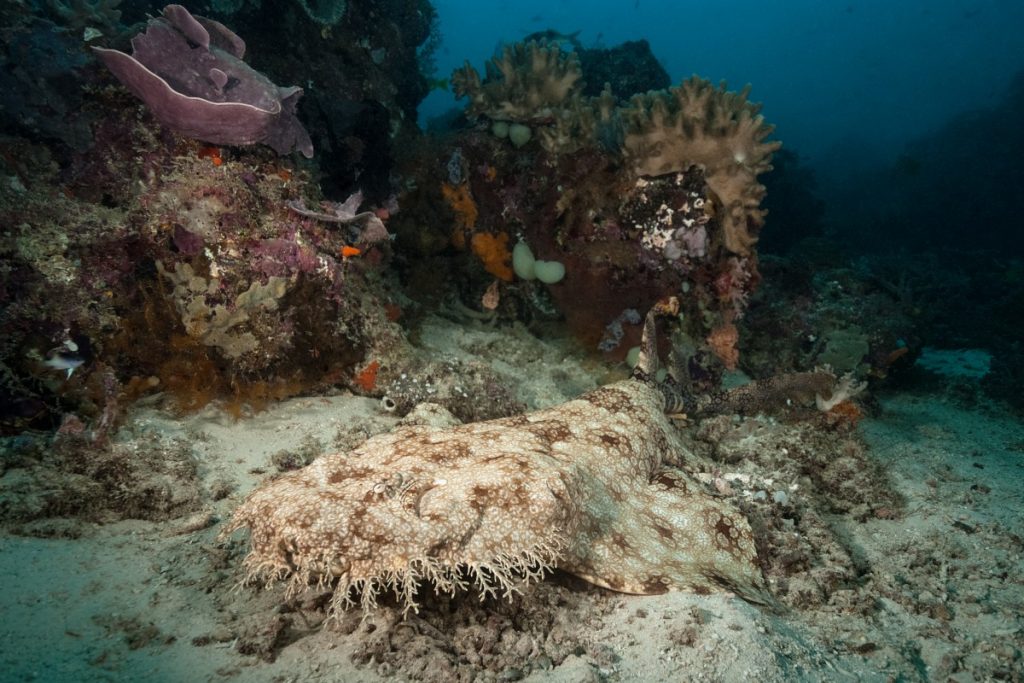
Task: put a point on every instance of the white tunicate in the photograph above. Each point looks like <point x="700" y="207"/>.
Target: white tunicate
<point x="549" y="272"/>
<point x="518" y="134"/>
<point x="523" y="261"/>
<point x="500" y="129"/>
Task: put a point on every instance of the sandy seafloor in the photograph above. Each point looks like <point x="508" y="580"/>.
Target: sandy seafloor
<point x="940" y="594"/>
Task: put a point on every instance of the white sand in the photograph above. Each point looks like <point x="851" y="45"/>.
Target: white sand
<point x="157" y="601"/>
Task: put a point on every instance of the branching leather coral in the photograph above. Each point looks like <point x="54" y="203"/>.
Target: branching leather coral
<point x="697" y="124"/>
<point x="528" y="83"/>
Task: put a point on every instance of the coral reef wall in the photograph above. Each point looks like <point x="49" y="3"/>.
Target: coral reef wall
<point x="141" y="263"/>
<point x="638" y="196"/>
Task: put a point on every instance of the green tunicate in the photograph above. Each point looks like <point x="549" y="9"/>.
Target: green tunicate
<point x="500" y="129"/>
<point x="519" y="134"/>
<point x="633" y="356"/>
<point x="549" y="272"/>
<point x="523" y="261"/>
<point x="528" y="268"/>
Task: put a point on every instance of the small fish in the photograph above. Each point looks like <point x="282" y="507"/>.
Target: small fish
<point x="438" y="84"/>
<point x="211" y="153"/>
<point x="348" y="252"/>
<point x="65" y="357"/>
<point x="64" y="361"/>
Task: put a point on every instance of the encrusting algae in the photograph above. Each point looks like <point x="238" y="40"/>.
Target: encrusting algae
<point x="590" y="487"/>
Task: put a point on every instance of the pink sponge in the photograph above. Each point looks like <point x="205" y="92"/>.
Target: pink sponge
<point x="189" y="71"/>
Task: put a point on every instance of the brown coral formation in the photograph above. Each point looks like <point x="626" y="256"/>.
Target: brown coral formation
<point x="697" y="124"/>
<point x="528" y="82"/>
<point x="218" y="326"/>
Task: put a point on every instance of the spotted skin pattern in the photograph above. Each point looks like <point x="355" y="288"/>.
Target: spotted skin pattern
<point x="596" y="487"/>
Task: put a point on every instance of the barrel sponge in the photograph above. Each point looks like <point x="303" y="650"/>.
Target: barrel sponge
<point x="696" y="123"/>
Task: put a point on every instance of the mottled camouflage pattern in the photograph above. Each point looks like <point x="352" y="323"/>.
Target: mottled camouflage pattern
<point x="596" y="487"/>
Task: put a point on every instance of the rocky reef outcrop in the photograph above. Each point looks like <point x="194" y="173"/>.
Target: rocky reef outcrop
<point x="638" y="197"/>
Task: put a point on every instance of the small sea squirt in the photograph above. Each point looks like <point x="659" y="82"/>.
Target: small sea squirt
<point x="596" y="487"/>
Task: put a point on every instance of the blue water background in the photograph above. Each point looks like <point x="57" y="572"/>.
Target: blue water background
<point x="844" y="82"/>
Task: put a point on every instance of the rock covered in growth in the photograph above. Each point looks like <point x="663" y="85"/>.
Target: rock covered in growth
<point x="165" y="271"/>
<point x="189" y="71"/>
<point x="639" y="199"/>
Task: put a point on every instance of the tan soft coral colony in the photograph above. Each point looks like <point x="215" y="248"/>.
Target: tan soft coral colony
<point x="696" y="123"/>
<point x="590" y="486"/>
<point x="692" y="124"/>
<point x="527" y="82"/>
